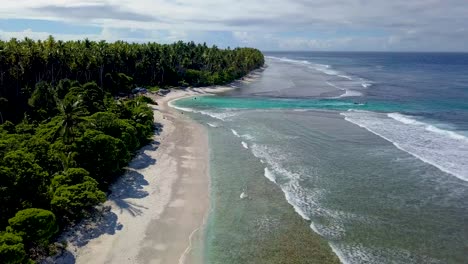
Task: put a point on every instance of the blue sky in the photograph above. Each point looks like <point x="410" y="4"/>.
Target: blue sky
<point x="366" y="25"/>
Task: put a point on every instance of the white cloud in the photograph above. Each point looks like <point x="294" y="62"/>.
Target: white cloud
<point x="339" y="24"/>
<point x="106" y="34"/>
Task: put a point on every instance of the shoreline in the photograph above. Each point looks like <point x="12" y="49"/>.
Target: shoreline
<point x="157" y="210"/>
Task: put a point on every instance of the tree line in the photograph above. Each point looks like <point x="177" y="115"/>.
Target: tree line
<point x="23" y="64"/>
<point x="64" y="137"/>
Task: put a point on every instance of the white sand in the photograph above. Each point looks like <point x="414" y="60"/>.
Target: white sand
<point x="156" y="211"/>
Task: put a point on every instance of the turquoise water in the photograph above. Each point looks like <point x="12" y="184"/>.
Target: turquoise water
<point x="381" y="178"/>
<point x="225" y="102"/>
<point x="208" y="102"/>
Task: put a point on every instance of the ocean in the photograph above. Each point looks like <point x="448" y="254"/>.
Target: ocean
<point x="361" y="157"/>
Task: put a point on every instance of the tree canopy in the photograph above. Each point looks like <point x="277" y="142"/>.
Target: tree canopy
<point x="32" y="72"/>
<point x="64" y="136"/>
<point x="34" y="225"/>
<point x="11" y="248"/>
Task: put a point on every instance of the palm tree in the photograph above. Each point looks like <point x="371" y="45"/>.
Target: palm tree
<point x="71" y="113"/>
<point x="67" y="160"/>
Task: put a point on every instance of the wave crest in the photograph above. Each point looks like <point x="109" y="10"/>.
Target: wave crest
<point x="444" y="149"/>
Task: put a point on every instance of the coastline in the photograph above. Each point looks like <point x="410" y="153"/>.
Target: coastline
<point x="156" y="211"/>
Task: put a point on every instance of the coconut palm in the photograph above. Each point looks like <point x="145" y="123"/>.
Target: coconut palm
<point x="71" y="113"/>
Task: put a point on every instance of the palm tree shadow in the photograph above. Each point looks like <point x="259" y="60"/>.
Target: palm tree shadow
<point x="64" y="257"/>
<point x="129" y="186"/>
<point x="123" y="193"/>
<point x="102" y="221"/>
<point x="158" y="128"/>
<point x="133" y="208"/>
<point x="142" y="159"/>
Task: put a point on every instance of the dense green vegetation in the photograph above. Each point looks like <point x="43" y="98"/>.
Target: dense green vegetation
<point x="112" y="66"/>
<point x="63" y="136"/>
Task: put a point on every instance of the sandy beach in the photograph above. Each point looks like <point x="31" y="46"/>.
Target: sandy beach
<point x="156" y="210"/>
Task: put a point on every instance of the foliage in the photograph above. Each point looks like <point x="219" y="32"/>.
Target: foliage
<point x="11" y="248"/>
<point x="65" y="163"/>
<point x="147" y="100"/>
<point x="70" y="115"/>
<point x="75" y="198"/>
<point x="23" y="183"/>
<point x="39" y="71"/>
<point x="34" y="225"/>
<point x="63" y="136"/>
<point x="154" y="88"/>
<point x="101" y="154"/>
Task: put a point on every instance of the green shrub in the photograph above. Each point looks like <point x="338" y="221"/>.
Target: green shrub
<point x="146" y="99"/>
<point x="36" y="226"/>
<point x="72" y="200"/>
<point x="11" y="248"/>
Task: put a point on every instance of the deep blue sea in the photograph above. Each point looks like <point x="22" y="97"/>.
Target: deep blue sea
<point x="370" y="149"/>
<point x="431" y="85"/>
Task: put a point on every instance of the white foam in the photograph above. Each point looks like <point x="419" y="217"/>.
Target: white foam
<point x="404" y="119"/>
<point x="345" y="76"/>
<point x="212" y="125"/>
<point x="325" y="69"/>
<point x="350" y="93"/>
<point x="181" y="108"/>
<point x="245" y="145"/>
<point x="235" y="133"/>
<point x="347" y="92"/>
<point x="292" y="200"/>
<point x="284" y="59"/>
<point x="224" y="115"/>
<point x="357" y="253"/>
<point x="306" y="202"/>
<point x="333" y="85"/>
<point x="448" y="133"/>
<point x="338" y="253"/>
<point x="411" y="121"/>
<point x="444" y="149"/>
<point x="269" y="175"/>
<point x="248" y="136"/>
<point x="293" y="193"/>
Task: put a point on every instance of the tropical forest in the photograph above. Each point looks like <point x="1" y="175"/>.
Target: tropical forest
<point x="70" y="124"/>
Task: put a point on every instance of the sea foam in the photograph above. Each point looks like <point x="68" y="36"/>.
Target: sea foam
<point x="444" y="149"/>
<point x="284" y="59"/>
<point x="234" y="132"/>
<point x="347" y="92"/>
<point x="357" y="253"/>
<point x="306" y="202"/>
<point x="352" y="81"/>
<point x="224" y="115"/>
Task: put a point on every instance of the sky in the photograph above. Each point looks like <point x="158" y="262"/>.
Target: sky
<point x="269" y="25"/>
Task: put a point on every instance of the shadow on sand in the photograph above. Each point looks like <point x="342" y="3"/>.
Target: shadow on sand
<point x="104" y="220"/>
<point x="130" y="186"/>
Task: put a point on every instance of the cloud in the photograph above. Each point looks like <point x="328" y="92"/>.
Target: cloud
<point x="96" y="11"/>
<point x="268" y="24"/>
